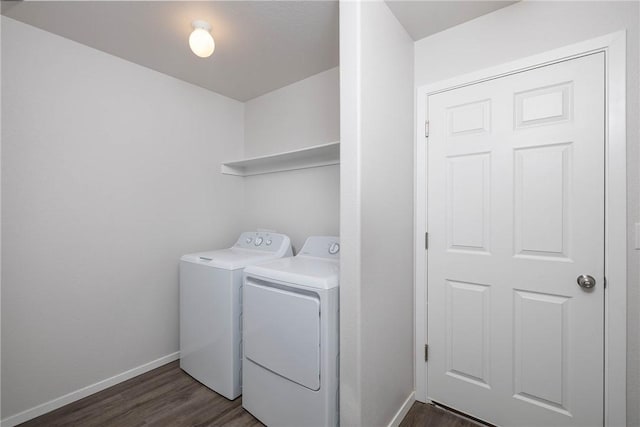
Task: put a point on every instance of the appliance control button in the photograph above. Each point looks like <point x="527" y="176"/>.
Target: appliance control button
<point x="258" y="241"/>
<point x="249" y="240"/>
<point x="334" y="248"/>
<point x="268" y="242"/>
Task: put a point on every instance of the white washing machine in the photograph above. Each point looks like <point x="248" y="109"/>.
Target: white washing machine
<point x="211" y="308"/>
<point x="291" y="337"/>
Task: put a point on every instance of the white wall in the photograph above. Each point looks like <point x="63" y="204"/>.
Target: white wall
<point x="376" y="287"/>
<point x="1" y="22"/>
<point x="299" y="115"/>
<point x="110" y="172"/>
<point x="531" y="27"/>
<point x="297" y="203"/>
<point x="350" y="227"/>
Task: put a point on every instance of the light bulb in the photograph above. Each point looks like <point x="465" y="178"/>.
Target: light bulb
<point x="201" y="41"/>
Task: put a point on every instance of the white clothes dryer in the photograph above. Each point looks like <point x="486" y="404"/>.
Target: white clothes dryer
<point x="211" y="308"/>
<point x="291" y="337"/>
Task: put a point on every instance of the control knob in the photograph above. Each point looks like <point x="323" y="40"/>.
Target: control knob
<point x="334" y="248"/>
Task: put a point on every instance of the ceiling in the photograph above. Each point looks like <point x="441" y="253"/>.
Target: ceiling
<point x="260" y="45"/>
<point x="424" y="18"/>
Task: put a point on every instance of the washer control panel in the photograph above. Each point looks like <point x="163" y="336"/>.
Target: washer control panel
<point x="262" y="240"/>
<point x="322" y="247"/>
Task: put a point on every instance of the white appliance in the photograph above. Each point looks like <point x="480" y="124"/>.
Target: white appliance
<point x="291" y="341"/>
<point x="211" y="308"/>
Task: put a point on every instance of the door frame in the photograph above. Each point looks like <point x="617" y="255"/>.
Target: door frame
<point x="615" y="327"/>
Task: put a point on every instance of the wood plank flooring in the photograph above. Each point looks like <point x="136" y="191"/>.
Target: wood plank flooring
<point x="167" y="397"/>
<point x="424" y="415"/>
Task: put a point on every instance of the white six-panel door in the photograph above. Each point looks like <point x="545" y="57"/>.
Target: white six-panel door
<point x="515" y="202"/>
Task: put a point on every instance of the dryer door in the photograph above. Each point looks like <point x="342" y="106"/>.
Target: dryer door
<point x="282" y="331"/>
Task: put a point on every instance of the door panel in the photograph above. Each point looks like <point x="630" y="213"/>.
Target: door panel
<point x="282" y="331"/>
<point x="468" y="190"/>
<point x="468" y="332"/>
<point x="542" y="181"/>
<point x="515" y="197"/>
<point x="540" y="350"/>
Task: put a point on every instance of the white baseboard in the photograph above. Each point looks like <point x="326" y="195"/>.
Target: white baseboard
<point x="56" y="403"/>
<point x="402" y="412"/>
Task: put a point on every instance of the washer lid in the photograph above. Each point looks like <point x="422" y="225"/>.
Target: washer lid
<point x="230" y="259"/>
<point x="319" y="273"/>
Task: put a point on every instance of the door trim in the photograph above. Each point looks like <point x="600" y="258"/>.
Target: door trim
<point x="615" y="328"/>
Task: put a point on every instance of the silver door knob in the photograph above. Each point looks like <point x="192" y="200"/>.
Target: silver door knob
<point x="586" y="282"/>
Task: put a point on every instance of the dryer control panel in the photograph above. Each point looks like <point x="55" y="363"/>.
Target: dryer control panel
<point x="322" y="247"/>
<point x="263" y="241"/>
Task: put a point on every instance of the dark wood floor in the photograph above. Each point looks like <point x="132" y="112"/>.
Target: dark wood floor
<point x="168" y="397"/>
<point x="165" y="396"/>
<point x="424" y="415"/>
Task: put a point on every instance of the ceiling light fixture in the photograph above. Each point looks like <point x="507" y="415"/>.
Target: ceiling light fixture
<point x="201" y="41"/>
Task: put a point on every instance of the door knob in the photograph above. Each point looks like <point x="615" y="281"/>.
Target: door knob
<point x="586" y="282"/>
